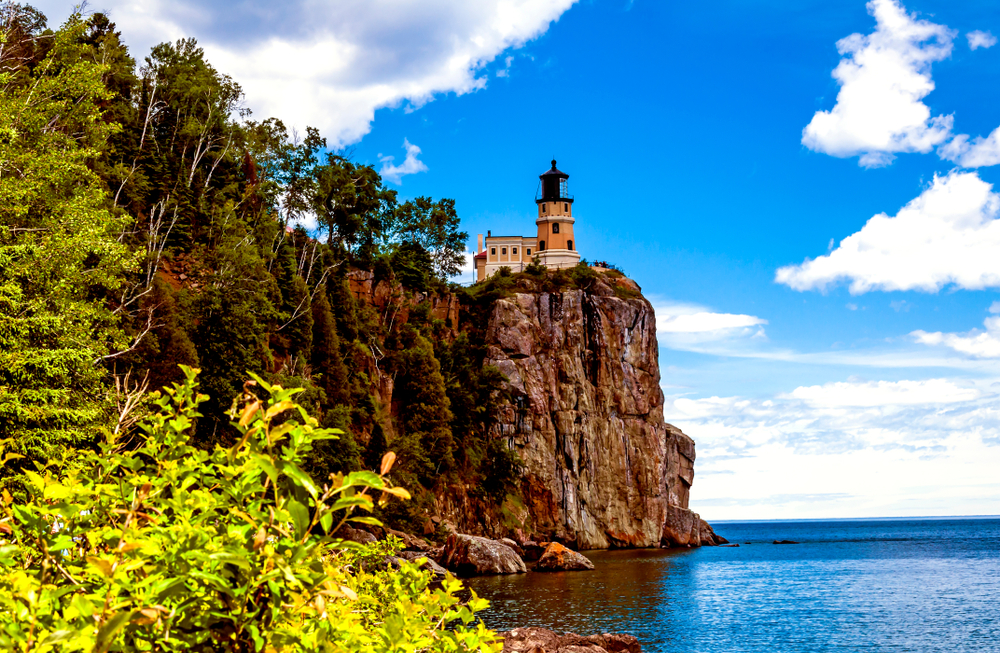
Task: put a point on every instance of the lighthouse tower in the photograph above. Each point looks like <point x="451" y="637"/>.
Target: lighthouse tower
<point x="556" y="247"/>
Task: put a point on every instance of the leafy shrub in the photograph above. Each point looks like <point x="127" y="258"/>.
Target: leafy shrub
<point x="168" y="547"/>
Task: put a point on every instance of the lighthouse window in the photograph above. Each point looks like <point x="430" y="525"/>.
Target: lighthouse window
<point x="555" y="228"/>
<point x="503" y="250"/>
<point x="569" y="244"/>
<point x="566" y="208"/>
<point x="541" y="245"/>
<point x="543" y="208"/>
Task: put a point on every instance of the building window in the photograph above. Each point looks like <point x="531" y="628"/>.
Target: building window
<point x="541" y="245"/>
<point x="529" y="251"/>
<point x="569" y="244"/>
<point x="555" y="227"/>
<point x="566" y="208"/>
<point x="513" y="251"/>
<point x="503" y="251"/>
<point x="493" y="251"/>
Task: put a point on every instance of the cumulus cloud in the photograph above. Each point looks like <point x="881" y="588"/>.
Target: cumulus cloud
<point x="980" y="39"/>
<point x="975" y="343"/>
<point x="331" y="65"/>
<point x="975" y="153"/>
<point x="690" y="327"/>
<point x="883" y="79"/>
<point x="873" y="448"/>
<point x="410" y="165"/>
<point x="949" y="234"/>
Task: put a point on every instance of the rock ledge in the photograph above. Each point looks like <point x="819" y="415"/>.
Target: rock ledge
<point x="541" y="640"/>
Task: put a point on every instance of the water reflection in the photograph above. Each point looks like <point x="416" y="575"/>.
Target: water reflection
<point x="640" y="587"/>
<point x="859" y="586"/>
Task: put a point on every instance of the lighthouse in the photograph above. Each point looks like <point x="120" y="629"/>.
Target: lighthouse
<point x="554" y="245"/>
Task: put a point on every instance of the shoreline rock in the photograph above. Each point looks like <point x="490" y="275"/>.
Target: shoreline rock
<point x="559" y="558"/>
<point x="542" y="640"/>
<point x="471" y="555"/>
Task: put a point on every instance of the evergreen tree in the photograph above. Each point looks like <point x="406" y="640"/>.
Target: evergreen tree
<point x="327" y="358"/>
<point x="59" y="244"/>
<point x="424" y="411"/>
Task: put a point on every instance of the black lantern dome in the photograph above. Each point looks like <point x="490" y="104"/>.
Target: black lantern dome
<point x="554" y="186"/>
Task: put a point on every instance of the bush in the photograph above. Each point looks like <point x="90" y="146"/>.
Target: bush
<point x="168" y="547"/>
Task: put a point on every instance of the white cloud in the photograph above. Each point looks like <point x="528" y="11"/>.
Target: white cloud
<point x="975" y="343"/>
<point x="883" y="78"/>
<point x="980" y="39"/>
<point x="690" y="327"/>
<point x="467" y="275"/>
<point x="977" y="153"/>
<point x="846" y="449"/>
<point x="410" y="165"/>
<point x="331" y="65"/>
<point x="882" y="393"/>
<point x="949" y="234"/>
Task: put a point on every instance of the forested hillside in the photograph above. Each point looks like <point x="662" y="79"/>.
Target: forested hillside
<point x="149" y="219"/>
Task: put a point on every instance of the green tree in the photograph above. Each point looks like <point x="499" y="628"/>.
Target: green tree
<point x="435" y="227"/>
<point x="62" y="265"/>
<point x="424" y="411"/>
<point x="327" y="359"/>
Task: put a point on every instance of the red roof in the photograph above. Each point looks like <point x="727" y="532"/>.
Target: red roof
<point x="481" y="254"/>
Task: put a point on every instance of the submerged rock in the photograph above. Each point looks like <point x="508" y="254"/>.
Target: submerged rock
<point x="541" y="640"/>
<point x="470" y="555"/>
<point x="784" y="542"/>
<point x="559" y="558"/>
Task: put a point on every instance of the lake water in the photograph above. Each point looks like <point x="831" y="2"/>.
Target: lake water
<point x="919" y="585"/>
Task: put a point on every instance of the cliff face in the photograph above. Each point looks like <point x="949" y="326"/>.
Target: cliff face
<point x="602" y="468"/>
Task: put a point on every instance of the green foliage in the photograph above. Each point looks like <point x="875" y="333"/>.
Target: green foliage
<point x="146" y="222"/>
<point x="59" y="244"/>
<point x="168" y="547"/>
<point x="434" y="226"/>
<point x="426" y="445"/>
<point x="412" y="266"/>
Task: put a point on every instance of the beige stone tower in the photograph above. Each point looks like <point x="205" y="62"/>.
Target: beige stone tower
<point x="556" y="245"/>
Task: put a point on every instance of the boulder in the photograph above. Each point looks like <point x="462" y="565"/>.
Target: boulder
<point x="512" y="544"/>
<point x="414" y="556"/>
<point x="541" y="640"/>
<point x="532" y="550"/>
<point x="411" y="542"/>
<point x="559" y="558"/>
<point x="470" y="555"/>
<point x="352" y="534"/>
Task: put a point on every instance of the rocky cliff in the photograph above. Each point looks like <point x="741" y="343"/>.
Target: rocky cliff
<point x="601" y="466"/>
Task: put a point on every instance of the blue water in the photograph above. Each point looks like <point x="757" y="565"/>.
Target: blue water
<point x="920" y="585"/>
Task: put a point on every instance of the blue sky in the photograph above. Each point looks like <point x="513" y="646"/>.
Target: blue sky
<point x="710" y="146"/>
